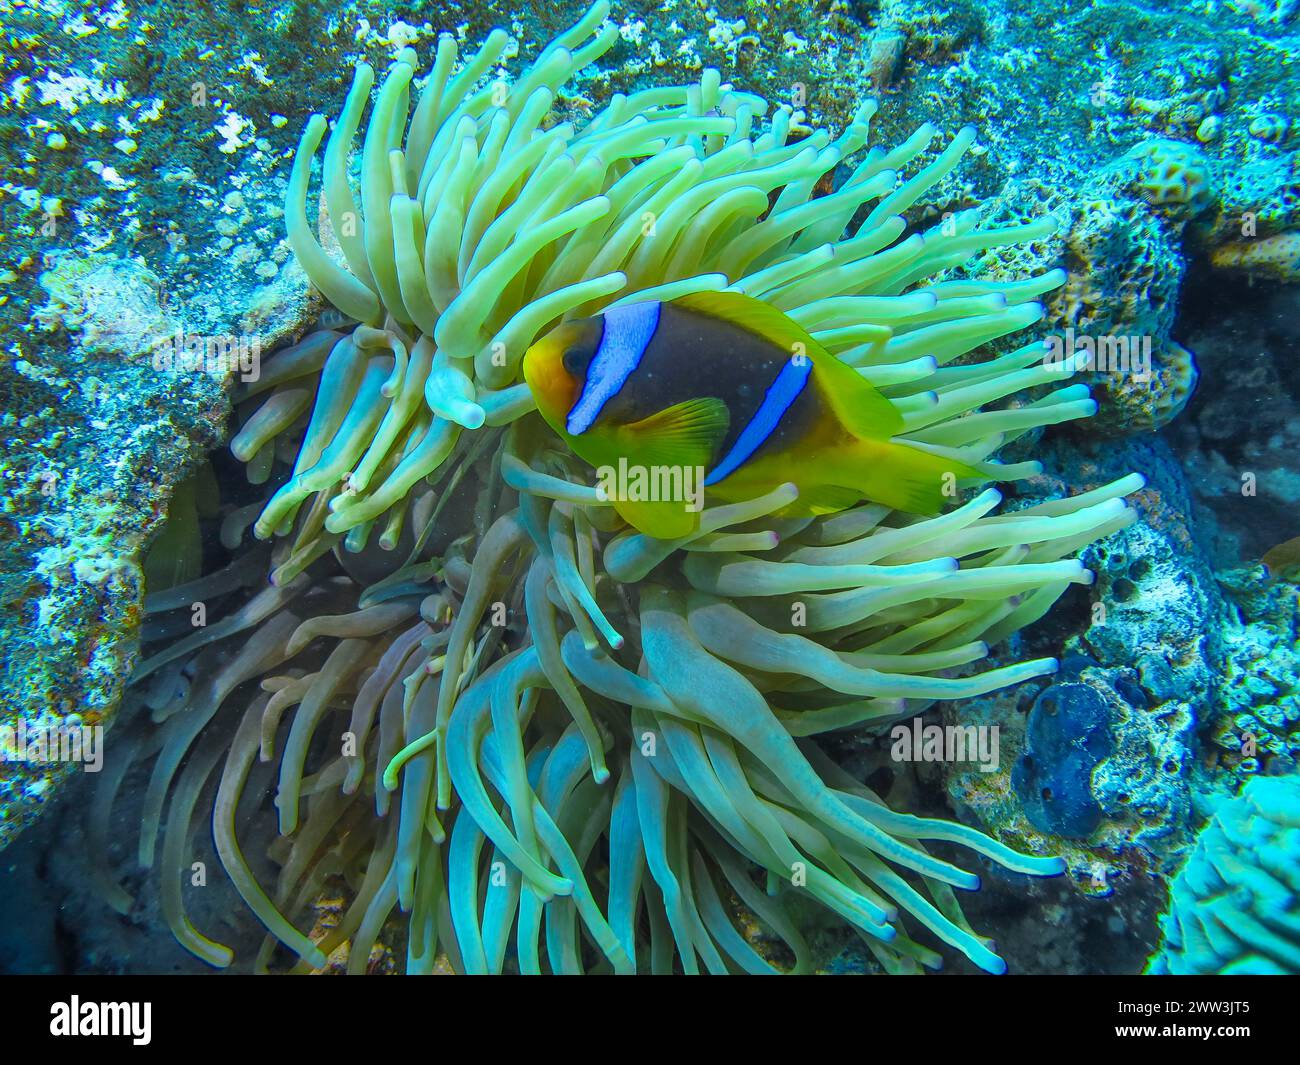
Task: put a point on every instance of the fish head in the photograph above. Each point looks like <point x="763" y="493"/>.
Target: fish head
<point x="555" y="367"/>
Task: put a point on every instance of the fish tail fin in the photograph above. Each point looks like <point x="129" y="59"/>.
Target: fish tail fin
<point x="902" y="477"/>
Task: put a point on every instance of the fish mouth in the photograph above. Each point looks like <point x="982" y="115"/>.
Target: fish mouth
<point x="552" y="386"/>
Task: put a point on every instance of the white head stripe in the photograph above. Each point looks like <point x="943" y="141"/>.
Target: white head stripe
<point x="627" y="332"/>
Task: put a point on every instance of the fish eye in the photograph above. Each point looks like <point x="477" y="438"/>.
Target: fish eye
<point x="581" y="341"/>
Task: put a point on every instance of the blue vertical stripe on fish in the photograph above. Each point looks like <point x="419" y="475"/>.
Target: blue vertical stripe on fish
<point x="627" y="332"/>
<point x="789" y="383"/>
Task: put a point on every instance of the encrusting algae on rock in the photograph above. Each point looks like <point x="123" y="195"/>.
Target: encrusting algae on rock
<point x="551" y="741"/>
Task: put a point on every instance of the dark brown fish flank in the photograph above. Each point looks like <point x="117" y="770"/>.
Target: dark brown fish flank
<point x="693" y="356"/>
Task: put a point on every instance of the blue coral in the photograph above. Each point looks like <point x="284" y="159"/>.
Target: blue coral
<point x="1234" y="908"/>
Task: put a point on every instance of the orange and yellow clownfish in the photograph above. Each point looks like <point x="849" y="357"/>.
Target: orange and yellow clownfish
<point x="728" y="385"/>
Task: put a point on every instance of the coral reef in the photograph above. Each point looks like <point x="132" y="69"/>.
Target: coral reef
<point x="1257" y="723"/>
<point x="1170" y="174"/>
<point x="1126" y="271"/>
<point x="93" y="444"/>
<point x="1148" y="651"/>
<point x="111" y="153"/>
<point x="143" y="199"/>
<point x="1233" y="905"/>
<point x="592" y="683"/>
<point x="1276" y="257"/>
<point x="1238" y="442"/>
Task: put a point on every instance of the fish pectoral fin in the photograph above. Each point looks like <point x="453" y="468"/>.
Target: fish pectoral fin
<point x="662" y="520"/>
<point x="685" y="434"/>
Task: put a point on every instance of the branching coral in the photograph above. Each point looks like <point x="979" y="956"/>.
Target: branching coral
<point x="552" y="742"/>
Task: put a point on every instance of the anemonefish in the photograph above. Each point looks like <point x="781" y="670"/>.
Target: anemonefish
<point x="1283" y="561"/>
<point x="728" y="385"/>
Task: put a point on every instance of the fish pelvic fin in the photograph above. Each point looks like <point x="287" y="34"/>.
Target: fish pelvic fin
<point x="826" y="499"/>
<point x="662" y="520"/>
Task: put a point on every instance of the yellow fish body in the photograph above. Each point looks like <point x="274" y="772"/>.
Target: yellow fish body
<point x="722" y="392"/>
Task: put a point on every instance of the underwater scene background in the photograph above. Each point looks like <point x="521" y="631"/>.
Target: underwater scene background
<point x="338" y="637"/>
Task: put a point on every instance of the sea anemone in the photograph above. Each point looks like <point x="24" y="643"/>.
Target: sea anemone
<point x="554" y="743"/>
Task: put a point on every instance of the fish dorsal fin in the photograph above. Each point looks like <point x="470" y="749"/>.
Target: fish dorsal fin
<point x="685" y="434"/>
<point x="856" y="402"/>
